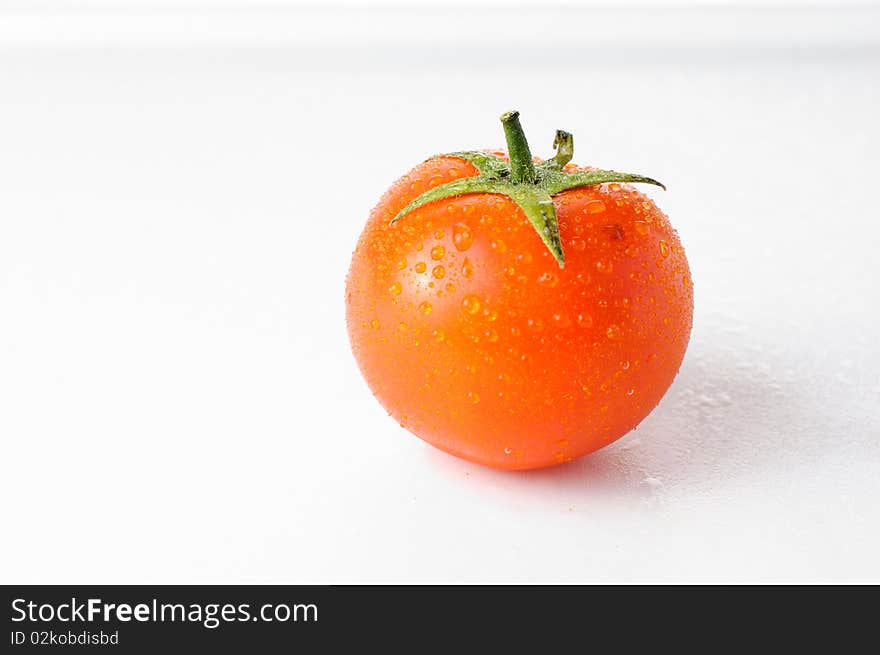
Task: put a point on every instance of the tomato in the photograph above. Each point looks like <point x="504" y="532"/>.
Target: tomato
<point x="475" y="337"/>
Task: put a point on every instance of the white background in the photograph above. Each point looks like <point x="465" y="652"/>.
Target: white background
<point x="180" y="191"/>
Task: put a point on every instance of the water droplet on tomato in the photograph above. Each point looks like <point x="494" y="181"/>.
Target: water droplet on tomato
<point x="604" y="267"/>
<point x="535" y="324"/>
<point x="613" y="331"/>
<point x="595" y="207"/>
<point x="425" y="308"/>
<point x="421" y="267"/>
<point x="561" y="319"/>
<point x="584" y="320"/>
<point x="467" y="268"/>
<point x="462" y="237"/>
<point x="471" y="304"/>
<point x="473" y="396"/>
<point x="641" y="227"/>
<point x="395" y="289"/>
<point x="664" y="248"/>
<point x="438" y="272"/>
<point x="549" y="279"/>
<point x="437" y="252"/>
<point x="401" y="264"/>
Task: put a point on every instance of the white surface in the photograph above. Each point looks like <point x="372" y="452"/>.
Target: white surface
<point x="177" y="398"/>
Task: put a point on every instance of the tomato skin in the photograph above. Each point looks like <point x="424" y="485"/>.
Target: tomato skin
<point x="472" y="337"/>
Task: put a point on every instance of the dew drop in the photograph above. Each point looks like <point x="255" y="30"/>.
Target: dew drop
<point x="471" y="304"/>
<point x="462" y="237"/>
<point x="401" y="264"/>
<point x="438" y="272"/>
<point x="548" y="279"/>
<point x="467" y="268"/>
<point x="374" y="324"/>
<point x="473" y="396"/>
<point x="630" y="392"/>
<point x="664" y="248"/>
<point x="439" y="334"/>
<point x="437" y="252"/>
<point x="439" y="234"/>
<point x="613" y="331"/>
<point x="604" y="267"/>
<point x="395" y="289"/>
<point x="420" y="267"/>
<point x="624" y="364"/>
<point x="641" y="227"/>
<point x="595" y="207"/>
<point x="499" y="246"/>
<point x="561" y="319"/>
<point x="584" y="320"/>
<point x="425" y="308"/>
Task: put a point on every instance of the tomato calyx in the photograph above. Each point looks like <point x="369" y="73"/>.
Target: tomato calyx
<point x="529" y="184"/>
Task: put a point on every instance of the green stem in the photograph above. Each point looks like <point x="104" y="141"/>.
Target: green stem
<point x="522" y="169"/>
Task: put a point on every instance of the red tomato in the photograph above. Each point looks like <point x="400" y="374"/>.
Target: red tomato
<point x="474" y="338"/>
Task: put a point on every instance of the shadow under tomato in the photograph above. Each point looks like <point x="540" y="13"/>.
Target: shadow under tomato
<point x="733" y="410"/>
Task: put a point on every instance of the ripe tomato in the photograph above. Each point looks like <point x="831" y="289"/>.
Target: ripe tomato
<point x="472" y="336"/>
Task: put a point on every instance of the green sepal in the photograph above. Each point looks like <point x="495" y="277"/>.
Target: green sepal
<point x="538" y="207"/>
<point x="486" y="163"/>
<point x="556" y="182"/>
<point x="530" y="185"/>
<point x="460" y="187"/>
